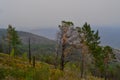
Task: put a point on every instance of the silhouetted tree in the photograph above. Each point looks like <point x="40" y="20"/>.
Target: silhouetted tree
<point x="29" y="53"/>
<point x="33" y="61"/>
<point x="1" y="49"/>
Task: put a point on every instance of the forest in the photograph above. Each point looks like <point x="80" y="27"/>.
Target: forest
<point x="76" y="54"/>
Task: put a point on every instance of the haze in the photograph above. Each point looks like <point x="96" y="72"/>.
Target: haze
<point x="34" y="14"/>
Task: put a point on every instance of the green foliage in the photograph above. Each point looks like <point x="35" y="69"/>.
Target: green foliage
<point x="56" y="74"/>
<point x="73" y="66"/>
<point x="42" y="74"/>
<point x="17" y="73"/>
<point x="89" y="39"/>
<point x="24" y="55"/>
<point x="12" y="53"/>
<point x="67" y="23"/>
<point x="48" y="58"/>
<point x="12" y="38"/>
<point x="22" y="70"/>
<point x="29" y="75"/>
<point x="101" y="55"/>
<point x="3" y="73"/>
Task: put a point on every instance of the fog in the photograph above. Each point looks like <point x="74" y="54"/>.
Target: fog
<point x="33" y="14"/>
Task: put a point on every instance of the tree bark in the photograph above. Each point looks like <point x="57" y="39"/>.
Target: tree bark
<point x="62" y="57"/>
<point x="9" y="48"/>
<point x="33" y="61"/>
<point x="83" y="66"/>
<point x="29" y="55"/>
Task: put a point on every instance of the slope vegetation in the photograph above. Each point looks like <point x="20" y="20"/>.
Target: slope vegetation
<point x="18" y="68"/>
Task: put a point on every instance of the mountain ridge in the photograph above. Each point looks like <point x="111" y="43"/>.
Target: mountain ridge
<point x="24" y="36"/>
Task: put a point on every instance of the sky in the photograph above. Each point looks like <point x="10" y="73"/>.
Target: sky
<point x="33" y="14"/>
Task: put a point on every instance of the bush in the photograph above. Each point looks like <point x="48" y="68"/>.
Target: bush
<point x="17" y="73"/>
<point x="55" y="74"/>
<point x="48" y="58"/>
<point x="41" y="74"/>
<point x="3" y="73"/>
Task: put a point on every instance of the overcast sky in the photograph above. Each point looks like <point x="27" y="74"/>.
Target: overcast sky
<point x="49" y="13"/>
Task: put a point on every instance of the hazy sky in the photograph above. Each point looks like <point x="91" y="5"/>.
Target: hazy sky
<point x="49" y="13"/>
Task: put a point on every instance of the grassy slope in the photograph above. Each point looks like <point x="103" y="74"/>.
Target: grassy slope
<point x="19" y="69"/>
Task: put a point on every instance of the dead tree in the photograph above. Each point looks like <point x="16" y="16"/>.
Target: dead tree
<point x="63" y="33"/>
<point x="29" y="53"/>
<point x="33" y="61"/>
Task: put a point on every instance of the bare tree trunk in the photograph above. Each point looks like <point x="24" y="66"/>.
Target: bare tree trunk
<point x="33" y="61"/>
<point x="84" y="51"/>
<point x="9" y="48"/>
<point x="29" y="55"/>
<point x="62" y="57"/>
<point x="83" y="66"/>
<point x="106" y="66"/>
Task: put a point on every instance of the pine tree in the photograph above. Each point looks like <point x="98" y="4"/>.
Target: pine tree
<point x="15" y="40"/>
<point x="88" y="40"/>
<point x="12" y="39"/>
<point x="9" y="37"/>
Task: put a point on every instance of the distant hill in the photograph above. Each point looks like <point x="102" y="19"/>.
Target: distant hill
<point x="47" y="32"/>
<point x="39" y="44"/>
<point x="24" y="36"/>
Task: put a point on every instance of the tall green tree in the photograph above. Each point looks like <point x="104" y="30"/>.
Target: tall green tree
<point x="12" y="39"/>
<point x="9" y="37"/>
<point x="102" y="56"/>
<point x="88" y="40"/>
<point x="15" y="40"/>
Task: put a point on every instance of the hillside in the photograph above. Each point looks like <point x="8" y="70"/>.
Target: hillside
<point x="42" y="43"/>
<point x="39" y="44"/>
<point x="26" y="71"/>
<point x="18" y="68"/>
<point x="24" y="36"/>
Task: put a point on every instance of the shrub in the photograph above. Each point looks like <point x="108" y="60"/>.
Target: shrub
<point x="3" y="73"/>
<point x="55" y="74"/>
<point x="41" y="74"/>
<point x="17" y="73"/>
